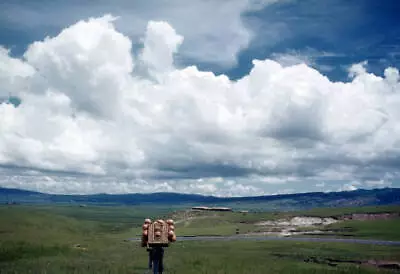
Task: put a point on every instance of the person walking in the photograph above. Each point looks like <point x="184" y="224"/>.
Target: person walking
<point x="149" y="250"/>
<point x="157" y="259"/>
<point x="162" y="232"/>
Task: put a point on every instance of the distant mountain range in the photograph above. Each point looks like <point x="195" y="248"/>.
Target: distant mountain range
<point x="386" y="196"/>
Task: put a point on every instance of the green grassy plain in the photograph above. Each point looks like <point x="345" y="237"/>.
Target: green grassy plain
<point x="376" y="229"/>
<point x="226" y="223"/>
<point x="66" y="239"/>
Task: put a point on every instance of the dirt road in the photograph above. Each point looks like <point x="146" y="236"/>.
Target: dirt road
<point x="272" y="238"/>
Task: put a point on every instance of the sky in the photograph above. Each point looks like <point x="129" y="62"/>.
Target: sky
<point x="224" y="98"/>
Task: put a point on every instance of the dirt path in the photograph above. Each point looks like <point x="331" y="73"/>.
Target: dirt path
<point x="272" y="238"/>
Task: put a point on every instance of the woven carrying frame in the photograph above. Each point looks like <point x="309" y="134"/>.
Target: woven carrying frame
<point x="162" y="240"/>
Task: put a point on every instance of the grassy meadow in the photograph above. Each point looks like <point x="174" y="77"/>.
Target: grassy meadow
<point x="93" y="239"/>
<point x="226" y="223"/>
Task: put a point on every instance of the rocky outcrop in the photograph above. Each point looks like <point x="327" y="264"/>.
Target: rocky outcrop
<point x="299" y="222"/>
<point x="293" y="226"/>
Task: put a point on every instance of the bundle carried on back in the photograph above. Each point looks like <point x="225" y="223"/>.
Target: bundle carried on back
<point x="158" y="233"/>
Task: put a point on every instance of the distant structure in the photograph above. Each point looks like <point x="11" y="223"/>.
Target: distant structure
<point x="197" y="208"/>
<point x="205" y="208"/>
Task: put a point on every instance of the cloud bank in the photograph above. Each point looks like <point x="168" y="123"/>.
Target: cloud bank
<point x="96" y="118"/>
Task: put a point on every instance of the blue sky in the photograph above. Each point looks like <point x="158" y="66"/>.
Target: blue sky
<point x="199" y="144"/>
<point x="331" y="34"/>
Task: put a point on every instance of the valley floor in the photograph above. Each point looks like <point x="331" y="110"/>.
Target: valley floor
<point x="93" y="240"/>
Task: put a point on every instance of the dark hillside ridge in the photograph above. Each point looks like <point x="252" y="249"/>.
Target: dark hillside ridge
<point x="385" y="196"/>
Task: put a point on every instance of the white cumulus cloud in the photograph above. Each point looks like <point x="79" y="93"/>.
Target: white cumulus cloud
<point x="96" y="118"/>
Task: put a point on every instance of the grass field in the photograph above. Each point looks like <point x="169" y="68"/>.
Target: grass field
<point x="380" y="230"/>
<point x="226" y="223"/>
<point x="67" y="239"/>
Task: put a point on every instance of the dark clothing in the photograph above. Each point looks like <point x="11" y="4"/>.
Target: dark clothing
<point x="156" y="256"/>
<point x="150" y="259"/>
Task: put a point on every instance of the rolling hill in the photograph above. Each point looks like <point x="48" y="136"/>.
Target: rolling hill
<point x="386" y="196"/>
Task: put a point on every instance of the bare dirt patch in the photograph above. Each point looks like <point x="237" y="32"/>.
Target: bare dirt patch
<point x="392" y="265"/>
<point x="294" y="226"/>
<point x="303" y="225"/>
